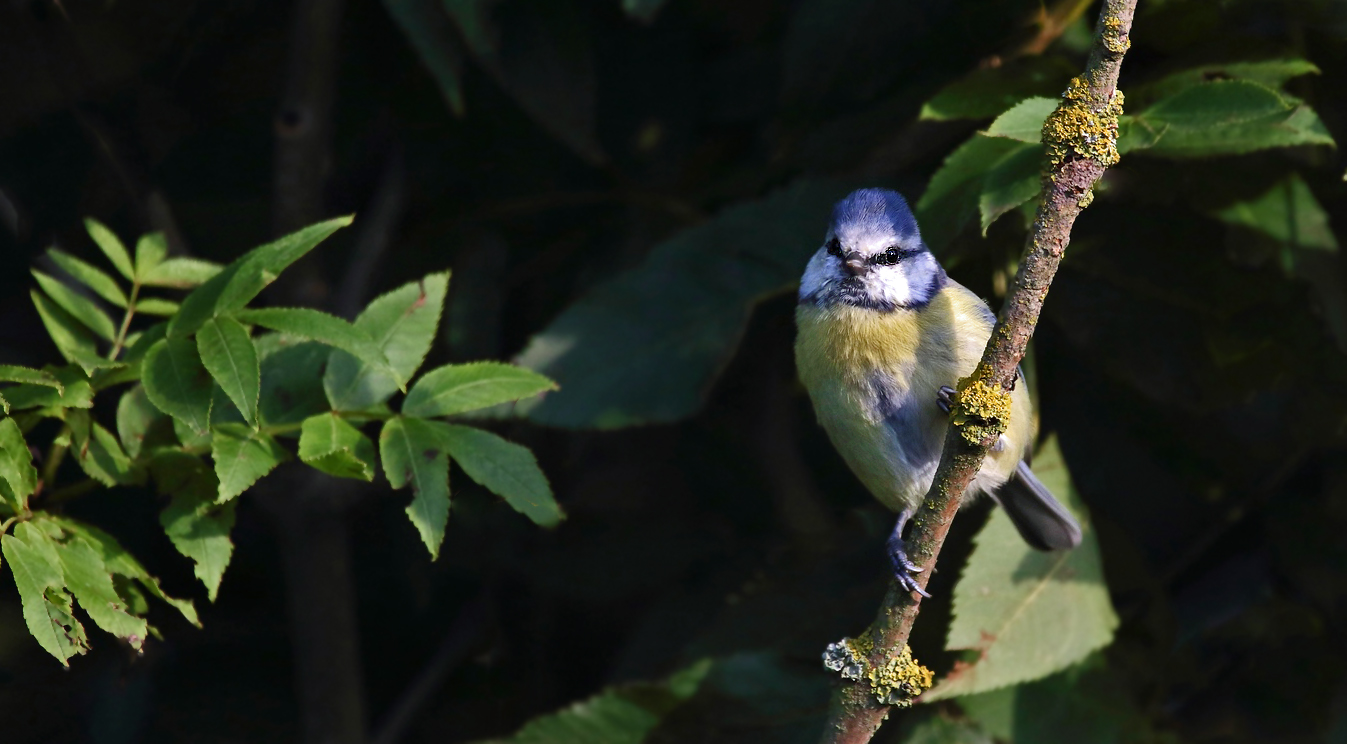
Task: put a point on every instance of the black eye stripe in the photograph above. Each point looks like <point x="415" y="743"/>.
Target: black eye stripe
<point x="893" y="255"/>
<point x="834" y="247"/>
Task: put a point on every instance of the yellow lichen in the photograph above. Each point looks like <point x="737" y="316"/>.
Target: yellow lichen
<point x="1114" y="38"/>
<point x="1075" y="130"/>
<point x="981" y="410"/>
<point x="898" y="682"/>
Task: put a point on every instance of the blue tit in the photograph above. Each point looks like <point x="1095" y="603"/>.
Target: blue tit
<point x="883" y="335"/>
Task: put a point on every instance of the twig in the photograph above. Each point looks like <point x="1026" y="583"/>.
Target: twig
<point x="1081" y="143"/>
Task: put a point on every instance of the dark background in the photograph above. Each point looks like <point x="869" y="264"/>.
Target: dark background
<point x="1198" y="394"/>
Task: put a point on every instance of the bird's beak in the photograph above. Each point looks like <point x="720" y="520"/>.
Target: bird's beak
<point x="855" y="265"/>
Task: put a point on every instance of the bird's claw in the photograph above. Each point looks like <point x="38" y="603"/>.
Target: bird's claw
<point x="904" y="569"/>
<point x="944" y="397"/>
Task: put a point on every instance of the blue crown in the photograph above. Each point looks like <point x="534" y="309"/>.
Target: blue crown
<point x="875" y="210"/>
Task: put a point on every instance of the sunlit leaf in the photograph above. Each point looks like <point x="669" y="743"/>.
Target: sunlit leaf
<point x="98" y="452"/>
<point x="74" y="391"/>
<point x="504" y="468"/>
<point x="71" y="337"/>
<point x="316" y="325"/>
<point x="111" y="246"/>
<point x="1023" y="121"/>
<point x="181" y="273"/>
<point x="242" y="456"/>
<point x="402" y="324"/>
<point x="1027" y="613"/>
<point x="228" y="354"/>
<point x="197" y="526"/>
<point x="177" y="383"/>
<point x="951" y="199"/>
<point x="90" y="276"/>
<point x="331" y="444"/>
<point x="455" y="388"/>
<point x="89" y="579"/>
<point x="16" y="465"/>
<point x="47" y="605"/>
<point x="1229" y="118"/>
<point x="413" y="453"/>
<point x="151" y="250"/>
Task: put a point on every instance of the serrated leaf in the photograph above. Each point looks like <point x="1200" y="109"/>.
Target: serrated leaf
<point x="198" y="527"/>
<point x="455" y="388"/>
<point x="16" y="466"/>
<point x="98" y="452"/>
<point x="413" y="454"/>
<point x="645" y="346"/>
<point x="181" y="273"/>
<point x="89" y="275"/>
<point x="316" y="325"/>
<point x="331" y="444"/>
<point x="177" y="383"/>
<point x="14" y="373"/>
<point x="1024" y="120"/>
<point x="242" y="456"/>
<point x="47" y="606"/>
<point x="1028" y="613"/>
<point x="402" y="324"/>
<point x="151" y="250"/>
<point x="506" y="469"/>
<point x="1271" y="73"/>
<point x="228" y="353"/>
<point x="1010" y="182"/>
<point x="988" y="91"/>
<point x="75" y="391"/>
<point x="292" y="388"/>
<point x="72" y="339"/>
<point x="623" y="714"/>
<point x="80" y="307"/>
<point x="951" y="198"/>
<point x="121" y="563"/>
<point x="89" y="580"/>
<point x="111" y="246"/>
<point x="156" y="306"/>
<point x="239" y="282"/>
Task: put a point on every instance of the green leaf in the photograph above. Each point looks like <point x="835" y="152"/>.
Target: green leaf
<point x="181" y="273"/>
<point x="242" y="456"/>
<point x="506" y="469"/>
<point x="80" y="307"/>
<point x="402" y="324"/>
<point x="1288" y="222"/>
<point x="332" y="445"/>
<point x="121" y="563"/>
<point x="151" y="250"/>
<point x="413" y="454"/>
<point x="239" y="282"/>
<point x="1027" y="613"/>
<point x="432" y="35"/>
<point x="1229" y="118"/>
<point x="198" y="527"/>
<point x="1024" y="121"/>
<point x="292" y="373"/>
<point x="645" y="346"/>
<point x="47" y="606"/>
<point x="176" y="382"/>
<point x="136" y="416"/>
<point x="13" y="373"/>
<point x="111" y="246"/>
<point x="74" y="391"/>
<point x="455" y="388"/>
<point x="89" y="275"/>
<point x="88" y="578"/>
<point x="619" y="715"/>
<point x="988" y="91"/>
<point x="228" y="354"/>
<point x="1271" y="73"/>
<point x="16" y="466"/>
<point x="318" y="326"/>
<point x="98" y="453"/>
<point x="70" y="336"/>
<point x="156" y="306"/>
<point x="1011" y="181"/>
<point x="952" y="197"/>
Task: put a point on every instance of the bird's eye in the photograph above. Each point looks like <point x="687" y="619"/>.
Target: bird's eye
<point x="835" y="247"/>
<point x="890" y="257"/>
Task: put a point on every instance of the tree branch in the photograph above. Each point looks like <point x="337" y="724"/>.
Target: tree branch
<point x="1080" y="138"/>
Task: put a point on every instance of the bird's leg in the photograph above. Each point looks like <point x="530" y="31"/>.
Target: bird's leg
<point x="903" y="568"/>
<point x="944" y="397"/>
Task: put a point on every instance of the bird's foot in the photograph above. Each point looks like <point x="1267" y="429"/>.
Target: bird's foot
<point x="904" y="570"/>
<point x="944" y="397"/>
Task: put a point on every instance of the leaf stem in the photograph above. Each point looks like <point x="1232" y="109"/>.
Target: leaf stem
<point x="126" y="320"/>
<point x="54" y="457"/>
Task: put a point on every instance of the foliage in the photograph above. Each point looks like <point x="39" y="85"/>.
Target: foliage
<point x="206" y="371"/>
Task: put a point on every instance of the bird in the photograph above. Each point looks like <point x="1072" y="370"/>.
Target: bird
<point x="883" y="335"/>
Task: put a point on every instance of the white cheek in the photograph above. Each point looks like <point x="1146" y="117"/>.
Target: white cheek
<point x="889" y="284"/>
<point x="817" y="274"/>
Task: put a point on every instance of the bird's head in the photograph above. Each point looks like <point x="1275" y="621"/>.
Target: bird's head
<point x="872" y="257"/>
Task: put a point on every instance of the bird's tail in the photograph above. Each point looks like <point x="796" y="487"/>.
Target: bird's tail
<point x="1040" y="518"/>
